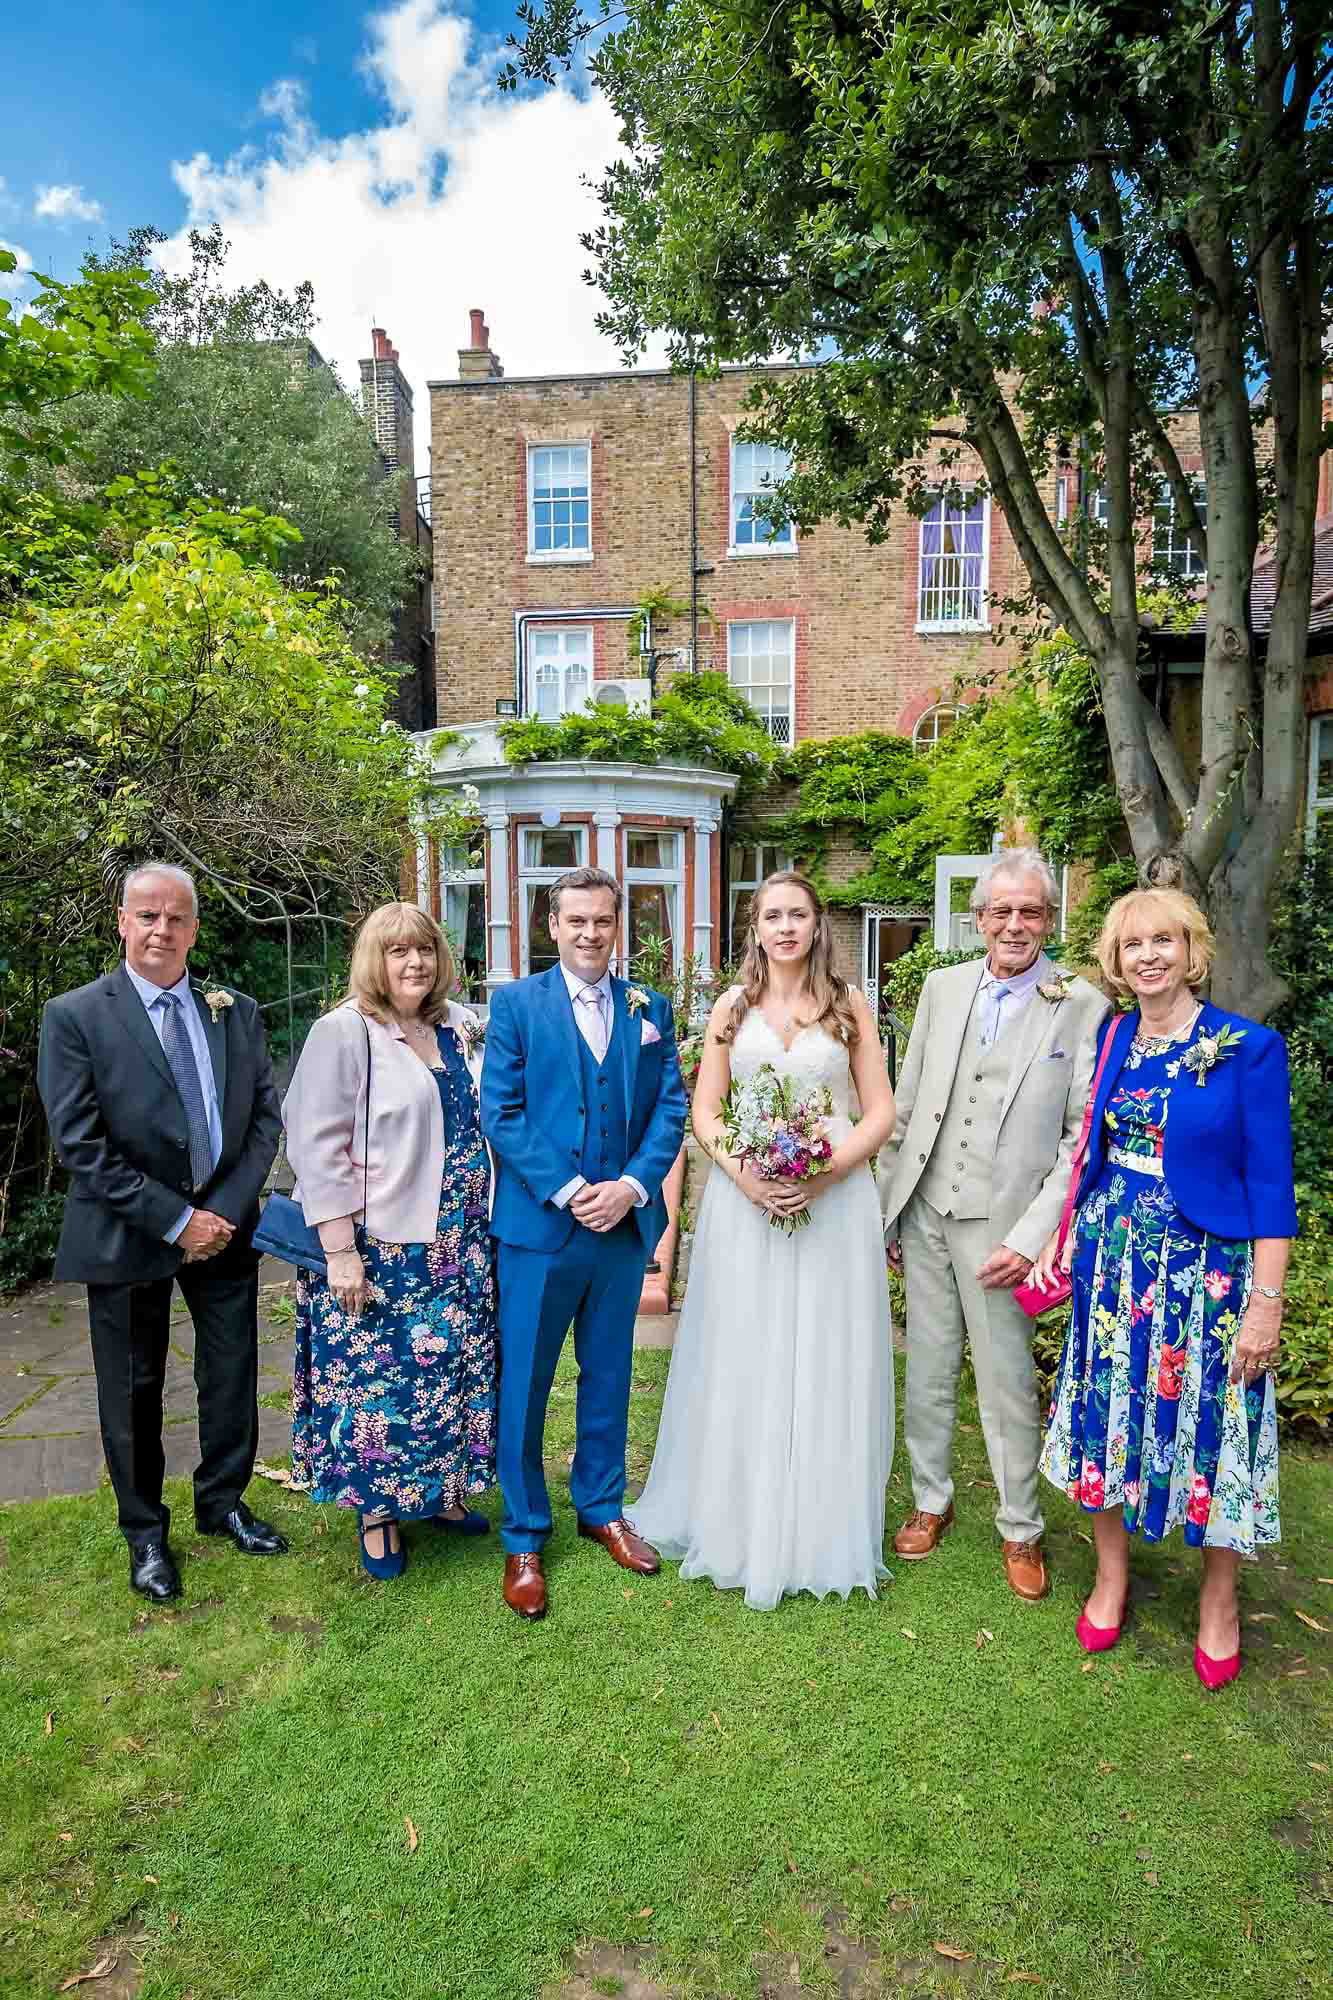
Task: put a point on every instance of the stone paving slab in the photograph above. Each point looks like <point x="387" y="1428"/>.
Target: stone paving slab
<point x="49" y="1438"/>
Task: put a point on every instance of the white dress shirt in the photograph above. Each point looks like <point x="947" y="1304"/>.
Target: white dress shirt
<point x="585" y="1014"/>
<point x="1001" y="1001"/>
<point x="152" y="997"/>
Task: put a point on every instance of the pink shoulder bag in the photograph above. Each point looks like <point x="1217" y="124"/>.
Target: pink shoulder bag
<point x="1058" y="1293"/>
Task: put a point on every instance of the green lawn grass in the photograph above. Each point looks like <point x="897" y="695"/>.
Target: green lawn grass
<point x="653" y="1764"/>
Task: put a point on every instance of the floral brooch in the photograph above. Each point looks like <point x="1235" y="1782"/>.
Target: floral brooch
<point x="216" y="999"/>
<point x="472" y="1033"/>
<point x="1054" y="989"/>
<point x="1209" y="1050"/>
<point x="635" y="998"/>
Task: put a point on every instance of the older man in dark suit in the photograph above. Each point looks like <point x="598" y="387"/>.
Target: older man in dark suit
<point x="162" y="1109"/>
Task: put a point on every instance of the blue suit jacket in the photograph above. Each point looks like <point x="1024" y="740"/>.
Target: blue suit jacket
<point x="533" y="1114"/>
<point x="1227" y="1151"/>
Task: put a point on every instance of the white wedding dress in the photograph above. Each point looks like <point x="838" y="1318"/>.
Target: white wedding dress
<point x="777" y="1430"/>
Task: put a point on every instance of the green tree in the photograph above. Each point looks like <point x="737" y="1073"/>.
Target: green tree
<point x="1023" y="230"/>
<point x="240" y="413"/>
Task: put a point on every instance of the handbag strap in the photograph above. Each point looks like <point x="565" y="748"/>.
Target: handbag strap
<point x="1081" y="1150"/>
<point x="365" y="1164"/>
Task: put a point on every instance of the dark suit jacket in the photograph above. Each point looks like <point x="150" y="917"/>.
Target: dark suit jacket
<point x="119" y="1129"/>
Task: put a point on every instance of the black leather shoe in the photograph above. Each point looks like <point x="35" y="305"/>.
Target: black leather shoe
<point x="252" y="1537"/>
<point x="152" y="1572"/>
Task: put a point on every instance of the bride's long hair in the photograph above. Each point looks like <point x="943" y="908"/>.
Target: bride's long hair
<point x="825" y="986"/>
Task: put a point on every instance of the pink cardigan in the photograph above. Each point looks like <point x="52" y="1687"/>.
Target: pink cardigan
<point x="325" y="1115"/>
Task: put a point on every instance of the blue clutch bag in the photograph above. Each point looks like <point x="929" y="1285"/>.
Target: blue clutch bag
<point x="283" y="1232"/>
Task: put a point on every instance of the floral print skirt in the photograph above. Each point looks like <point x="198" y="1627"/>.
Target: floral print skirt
<point x="1143" y="1415"/>
<point x="395" y="1410"/>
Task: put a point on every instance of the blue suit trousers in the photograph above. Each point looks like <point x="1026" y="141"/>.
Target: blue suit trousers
<point x="593" y="1284"/>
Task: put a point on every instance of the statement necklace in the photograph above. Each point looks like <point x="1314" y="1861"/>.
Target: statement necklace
<point x="1157" y="1045"/>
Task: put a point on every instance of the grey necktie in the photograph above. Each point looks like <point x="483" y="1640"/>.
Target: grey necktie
<point x="596" y="1037"/>
<point x="995" y="1000"/>
<point x="180" y="1054"/>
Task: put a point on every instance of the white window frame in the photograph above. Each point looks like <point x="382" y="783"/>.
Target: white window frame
<point x="532" y="879"/>
<point x="566" y="657"/>
<point x="771" y="545"/>
<point x="769" y="860"/>
<point x="1171" y="547"/>
<point x="1317" y="807"/>
<point x="671" y="879"/>
<point x="456" y="875"/>
<point x="922" y="742"/>
<point x="767" y="710"/>
<point x="569" y="555"/>
<point x="981" y="623"/>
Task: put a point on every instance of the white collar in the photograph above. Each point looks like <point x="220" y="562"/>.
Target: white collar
<point x="150" y="993"/>
<point x="577" y="985"/>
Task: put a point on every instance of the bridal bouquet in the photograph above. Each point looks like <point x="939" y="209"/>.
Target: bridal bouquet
<point x="781" y="1135"/>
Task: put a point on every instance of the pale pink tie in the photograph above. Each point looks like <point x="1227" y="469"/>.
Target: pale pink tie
<point x="594" y="1023"/>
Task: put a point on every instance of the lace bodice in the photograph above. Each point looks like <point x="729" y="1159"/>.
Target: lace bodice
<point x="814" y="1058"/>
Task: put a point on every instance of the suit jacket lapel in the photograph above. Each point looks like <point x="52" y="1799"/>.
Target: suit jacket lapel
<point x="631" y="1031"/>
<point x="134" y="1018"/>
<point x="215" y="1033"/>
<point x="560" y="1010"/>
<point x="1033" y="1024"/>
<point x="949" y="1041"/>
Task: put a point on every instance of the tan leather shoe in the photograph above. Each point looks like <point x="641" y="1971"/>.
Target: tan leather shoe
<point x="525" y="1586"/>
<point x="1025" y="1567"/>
<point x="919" y="1535"/>
<point x="624" y="1546"/>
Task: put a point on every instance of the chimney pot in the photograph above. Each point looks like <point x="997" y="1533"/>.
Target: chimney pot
<point x="380" y="340"/>
<point x="480" y="331"/>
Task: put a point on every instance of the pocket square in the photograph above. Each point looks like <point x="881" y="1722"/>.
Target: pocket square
<point x="650" y="1034"/>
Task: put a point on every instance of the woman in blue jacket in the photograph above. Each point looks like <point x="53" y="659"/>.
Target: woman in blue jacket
<point x="1164" y="1415"/>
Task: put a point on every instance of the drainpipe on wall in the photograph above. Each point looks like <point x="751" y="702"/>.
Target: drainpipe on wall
<point x="694" y="534"/>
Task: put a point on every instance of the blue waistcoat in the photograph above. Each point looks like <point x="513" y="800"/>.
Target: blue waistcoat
<point x="605" y="1126"/>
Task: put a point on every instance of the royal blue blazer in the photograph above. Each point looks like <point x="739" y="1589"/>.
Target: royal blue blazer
<point x="1227" y="1150"/>
<point x="533" y="1114"/>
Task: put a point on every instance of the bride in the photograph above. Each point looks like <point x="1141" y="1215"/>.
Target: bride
<point x="777" y="1430"/>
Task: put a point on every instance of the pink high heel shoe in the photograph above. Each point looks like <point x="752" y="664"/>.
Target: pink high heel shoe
<point x="1097" y="1638"/>
<point x="1214" y="1674"/>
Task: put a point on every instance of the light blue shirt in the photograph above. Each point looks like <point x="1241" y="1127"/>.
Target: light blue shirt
<point x="1001" y="1001"/>
<point x="152" y="997"/>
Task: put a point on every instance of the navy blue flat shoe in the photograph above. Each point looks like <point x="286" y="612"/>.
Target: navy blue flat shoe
<point x="471" y="1524"/>
<point x="383" y="1568"/>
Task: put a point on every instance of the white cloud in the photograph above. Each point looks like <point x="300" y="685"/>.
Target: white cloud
<point x="65" y="204"/>
<point x="457" y="197"/>
<point x="13" y="282"/>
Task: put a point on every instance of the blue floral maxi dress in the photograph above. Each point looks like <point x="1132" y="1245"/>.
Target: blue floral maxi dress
<point x="395" y="1410"/>
<point x="1143" y="1415"/>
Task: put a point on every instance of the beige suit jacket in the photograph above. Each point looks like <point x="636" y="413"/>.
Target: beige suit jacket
<point x="1041" y="1116"/>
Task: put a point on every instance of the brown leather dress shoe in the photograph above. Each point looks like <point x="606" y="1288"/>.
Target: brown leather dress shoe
<point x="1025" y="1567"/>
<point x="525" y="1585"/>
<point x="624" y="1546"/>
<point x="919" y="1535"/>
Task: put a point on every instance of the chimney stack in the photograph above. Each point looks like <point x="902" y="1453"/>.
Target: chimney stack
<point x="387" y="401"/>
<point x="477" y="362"/>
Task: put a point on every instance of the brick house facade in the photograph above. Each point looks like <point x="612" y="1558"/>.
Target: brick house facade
<point x="559" y="504"/>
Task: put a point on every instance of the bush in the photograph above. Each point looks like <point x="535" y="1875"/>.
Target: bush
<point x="907" y="975"/>
<point x="28" y="1244"/>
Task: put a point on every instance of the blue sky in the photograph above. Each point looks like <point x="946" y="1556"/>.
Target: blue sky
<point x="363" y="147"/>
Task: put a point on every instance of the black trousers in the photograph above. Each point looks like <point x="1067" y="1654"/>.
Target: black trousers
<point x="131" y="1330"/>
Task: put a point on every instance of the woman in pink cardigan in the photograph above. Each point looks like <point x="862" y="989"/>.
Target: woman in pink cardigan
<point x="393" y="1408"/>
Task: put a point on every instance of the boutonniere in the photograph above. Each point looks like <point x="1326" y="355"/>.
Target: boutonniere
<point x="635" y="998"/>
<point x="1055" y="989"/>
<point x="216" y="999"/>
<point x="472" y="1032"/>
<point x="1210" y="1049"/>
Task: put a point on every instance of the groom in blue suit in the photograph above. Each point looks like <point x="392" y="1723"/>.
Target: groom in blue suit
<point x="583" y="1105"/>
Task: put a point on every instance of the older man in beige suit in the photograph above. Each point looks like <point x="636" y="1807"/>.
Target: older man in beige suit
<point x="990" y="1104"/>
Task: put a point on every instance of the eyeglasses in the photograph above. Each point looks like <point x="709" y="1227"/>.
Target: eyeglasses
<point x="1028" y="914"/>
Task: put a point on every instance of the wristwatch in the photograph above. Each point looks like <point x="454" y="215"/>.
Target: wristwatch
<point x="1269" y="1291"/>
